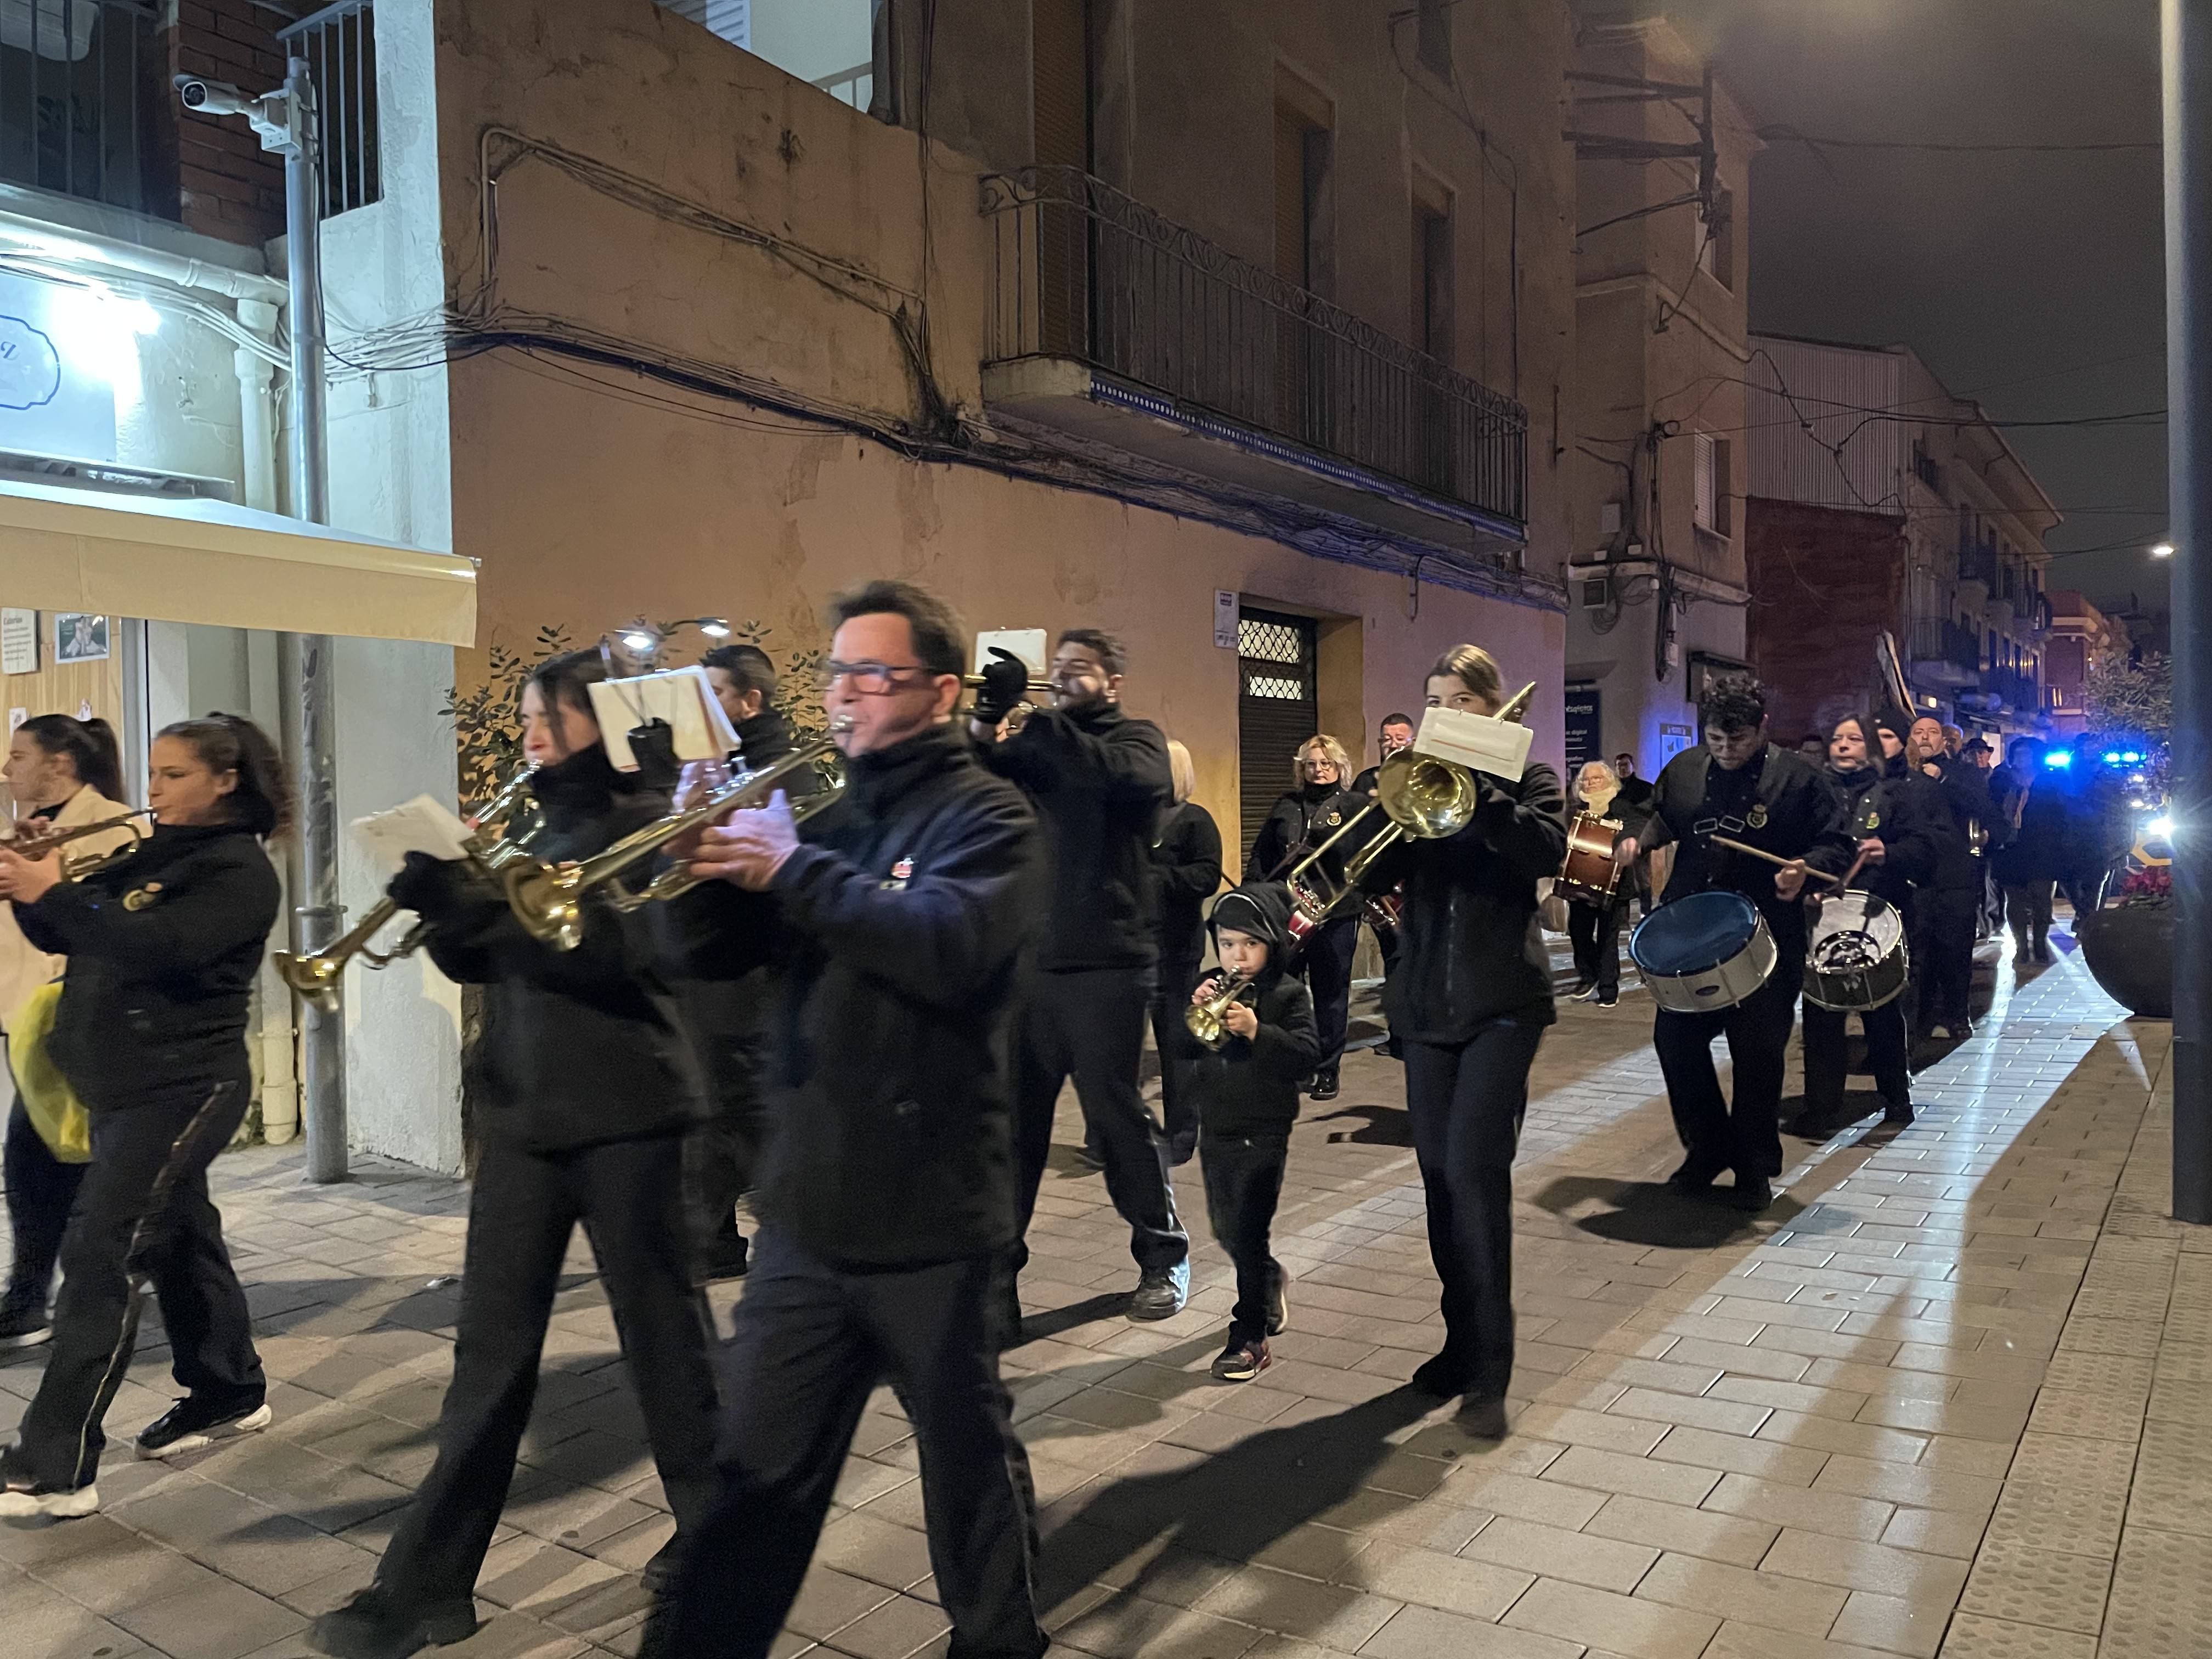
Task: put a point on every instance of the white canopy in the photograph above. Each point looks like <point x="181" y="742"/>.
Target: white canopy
<point x="208" y="562"/>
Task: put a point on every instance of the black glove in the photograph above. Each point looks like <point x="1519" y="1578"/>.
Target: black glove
<point x="425" y="885"/>
<point x="653" y="747"/>
<point x="1006" y="684"/>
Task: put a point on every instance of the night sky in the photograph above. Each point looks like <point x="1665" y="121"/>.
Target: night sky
<point x="2033" y="282"/>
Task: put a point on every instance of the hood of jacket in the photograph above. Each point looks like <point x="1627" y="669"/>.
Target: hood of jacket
<point x="1262" y="911"/>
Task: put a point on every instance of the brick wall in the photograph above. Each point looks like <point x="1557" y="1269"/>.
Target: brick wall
<point x="1823" y="582"/>
<point x="226" y="186"/>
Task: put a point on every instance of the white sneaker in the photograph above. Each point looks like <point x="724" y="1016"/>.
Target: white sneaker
<point x="17" y="1504"/>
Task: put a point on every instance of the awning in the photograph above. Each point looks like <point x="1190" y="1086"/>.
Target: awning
<point x="208" y="562"/>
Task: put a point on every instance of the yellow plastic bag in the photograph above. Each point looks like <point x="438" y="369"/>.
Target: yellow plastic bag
<point x="52" y="1105"/>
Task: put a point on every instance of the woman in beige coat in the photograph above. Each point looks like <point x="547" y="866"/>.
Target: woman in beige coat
<point x="62" y="773"/>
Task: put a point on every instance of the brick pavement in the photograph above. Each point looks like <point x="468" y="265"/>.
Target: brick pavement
<point x="1950" y="1395"/>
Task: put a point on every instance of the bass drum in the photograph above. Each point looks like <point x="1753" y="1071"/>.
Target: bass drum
<point x="1857" y="960"/>
<point x="1589" y="872"/>
<point x="1702" y="952"/>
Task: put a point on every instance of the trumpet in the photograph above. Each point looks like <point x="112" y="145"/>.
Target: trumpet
<point x="548" y="899"/>
<point x="1425" y="796"/>
<point x="35" y="843"/>
<point x="1021" y="711"/>
<point x="316" y="979"/>
<point x="1207" y="1021"/>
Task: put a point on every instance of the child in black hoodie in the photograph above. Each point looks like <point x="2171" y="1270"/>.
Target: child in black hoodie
<point x="1247" y="1095"/>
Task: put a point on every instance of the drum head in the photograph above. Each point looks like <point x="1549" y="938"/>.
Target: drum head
<point x="1694" y="934"/>
<point x="1861" y="912"/>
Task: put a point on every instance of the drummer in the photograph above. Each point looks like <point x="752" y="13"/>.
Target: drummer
<point x="1890" y="809"/>
<point x="1741" y="787"/>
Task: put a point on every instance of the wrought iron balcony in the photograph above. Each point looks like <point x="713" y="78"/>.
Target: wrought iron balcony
<point x="1945" y="652"/>
<point x="80" y="81"/>
<point x="1164" y="323"/>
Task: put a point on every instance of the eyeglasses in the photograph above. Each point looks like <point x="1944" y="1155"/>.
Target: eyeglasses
<point x="870" y="679"/>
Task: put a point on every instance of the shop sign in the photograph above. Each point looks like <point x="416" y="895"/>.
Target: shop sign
<point x="58" y="364"/>
<point x="18" y="642"/>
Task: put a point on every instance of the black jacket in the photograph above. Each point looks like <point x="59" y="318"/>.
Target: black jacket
<point x="1903" y="810"/>
<point x="579" y="1047"/>
<point x="1966" y="803"/>
<point x="1250" y="1087"/>
<point x="162" y="948"/>
<point x="2033" y="815"/>
<point x="1469" y="949"/>
<point x="1098" y="779"/>
<point x="1301" y="821"/>
<point x="1797" y="814"/>
<point x="896" y="930"/>
<point x="1186" y="871"/>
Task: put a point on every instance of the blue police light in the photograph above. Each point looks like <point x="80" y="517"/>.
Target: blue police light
<point x="2131" y="757"/>
<point x="2112" y="757"/>
<point x="2059" y="758"/>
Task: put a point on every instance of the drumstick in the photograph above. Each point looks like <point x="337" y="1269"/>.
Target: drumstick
<point x="1776" y="857"/>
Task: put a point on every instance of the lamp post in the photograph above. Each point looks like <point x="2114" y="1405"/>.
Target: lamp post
<point x="2186" y="31"/>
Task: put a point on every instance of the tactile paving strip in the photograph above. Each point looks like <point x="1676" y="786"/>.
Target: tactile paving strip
<point x="2111" y="1373"/>
<point x="2061" y="1459"/>
<point x="2099" y="1416"/>
<point x="2050" y="1587"/>
<point x="2161" y="1604"/>
<point x="2080" y="1520"/>
<point x="2122" y="1336"/>
<point x="1973" y="1636"/>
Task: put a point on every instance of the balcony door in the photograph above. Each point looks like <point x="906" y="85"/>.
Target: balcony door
<point x="1059" y="115"/>
<point x="1278" y="708"/>
<point x="1304" y="388"/>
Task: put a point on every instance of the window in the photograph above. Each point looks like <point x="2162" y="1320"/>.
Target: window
<point x="1302" y="150"/>
<point x="1716" y="239"/>
<point x="1432" y="38"/>
<point x="828" y="43"/>
<point x="1709" y="508"/>
<point x="1432" y="268"/>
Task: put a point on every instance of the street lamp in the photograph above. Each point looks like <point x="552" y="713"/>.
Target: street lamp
<point x="642" y="642"/>
<point x="2162" y="550"/>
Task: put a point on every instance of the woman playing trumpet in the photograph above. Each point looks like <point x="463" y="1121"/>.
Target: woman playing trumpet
<point x="64" y="774"/>
<point x="1469" y="1002"/>
<point x="590" y="1090"/>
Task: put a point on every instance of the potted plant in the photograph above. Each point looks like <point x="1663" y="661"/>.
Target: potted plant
<point x="2128" y="944"/>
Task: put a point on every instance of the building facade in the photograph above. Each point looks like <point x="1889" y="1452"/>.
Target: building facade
<point x="1655" y="586"/>
<point x="2083" y="639"/>
<point x="1880" y="503"/>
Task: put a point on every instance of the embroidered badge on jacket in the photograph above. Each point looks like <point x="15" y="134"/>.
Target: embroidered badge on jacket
<point x="138" y="898"/>
<point x="1756" y="818"/>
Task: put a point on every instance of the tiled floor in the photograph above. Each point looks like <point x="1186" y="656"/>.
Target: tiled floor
<point x="1952" y="1394"/>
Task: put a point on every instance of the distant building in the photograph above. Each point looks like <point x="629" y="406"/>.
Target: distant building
<point x="2082" y="640"/>
<point x="1878" y="500"/>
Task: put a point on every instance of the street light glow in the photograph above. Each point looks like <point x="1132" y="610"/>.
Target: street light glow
<point x="2162" y="550"/>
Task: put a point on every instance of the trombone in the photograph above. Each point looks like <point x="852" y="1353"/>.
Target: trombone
<point x="35" y="844"/>
<point x="548" y="899"/>
<point x="1425" y="797"/>
<point x="316" y="979"/>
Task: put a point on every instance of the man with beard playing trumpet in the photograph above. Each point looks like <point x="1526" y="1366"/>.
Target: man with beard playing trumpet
<point x="893" y="930"/>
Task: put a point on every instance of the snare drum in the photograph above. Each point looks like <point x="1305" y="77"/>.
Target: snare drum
<point x="1858" y="959"/>
<point x="1702" y="952"/>
<point x="1589" y="873"/>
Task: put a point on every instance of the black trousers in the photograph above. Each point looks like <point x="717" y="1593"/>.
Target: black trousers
<point x="2027" y="909"/>
<point x="1327" y="963"/>
<point x="1467" y="1103"/>
<point x="1887" y="1047"/>
<point x="1090" y="1025"/>
<point x="1172" y="988"/>
<point x="41" y="1188"/>
<point x="812" y="1340"/>
<point x="1744" y="1137"/>
<point x="1943" y="953"/>
<point x="628" y="1195"/>
<point x="142" y="1212"/>
<point x="1594" y="930"/>
<point x="1243" y="1183"/>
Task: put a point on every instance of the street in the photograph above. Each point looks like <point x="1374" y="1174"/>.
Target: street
<point x="1950" y="1396"/>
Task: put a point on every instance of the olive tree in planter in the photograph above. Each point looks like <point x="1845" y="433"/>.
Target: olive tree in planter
<point x="2128" y="944"/>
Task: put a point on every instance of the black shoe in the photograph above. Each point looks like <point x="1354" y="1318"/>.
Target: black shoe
<point x="659" y="1575"/>
<point x="1900" y="1113"/>
<point x="1090" y="1158"/>
<point x="1279" y="1309"/>
<point x="1244" y="1358"/>
<point x="2042" y="951"/>
<point x="378" y="1625"/>
<point x="1694" y="1176"/>
<point x="1583" y="988"/>
<point x="1751" y="1193"/>
<point x="23" y="1322"/>
<point x="727" y="1255"/>
<point x="1182" y="1148"/>
<point x="1443" y="1377"/>
<point x="1607" y="997"/>
<point x="192" y="1423"/>
<point x="1324" y="1086"/>
<point x="1161" y="1292"/>
<point x="1483" y="1416"/>
<point x="1392" y="1048"/>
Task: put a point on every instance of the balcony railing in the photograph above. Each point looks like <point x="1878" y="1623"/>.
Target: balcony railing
<point x="1940" y="640"/>
<point x="2020" y="692"/>
<point x="339" y="43"/>
<point x="1086" y="272"/>
<point x="79" y="81"/>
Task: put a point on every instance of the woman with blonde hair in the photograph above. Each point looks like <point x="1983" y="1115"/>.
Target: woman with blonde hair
<point x="1186" y="871"/>
<point x="1594" y="930"/>
<point x="1469" y="1003"/>
<point x="1320" y="800"/>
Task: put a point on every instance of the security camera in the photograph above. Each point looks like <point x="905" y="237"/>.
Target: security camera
<point x="212" y="97"/>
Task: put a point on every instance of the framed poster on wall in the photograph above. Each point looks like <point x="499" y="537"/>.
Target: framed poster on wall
<point x="80" y="636"/>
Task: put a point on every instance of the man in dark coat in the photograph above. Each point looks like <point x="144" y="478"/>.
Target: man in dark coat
<point x="1948" y="905"/>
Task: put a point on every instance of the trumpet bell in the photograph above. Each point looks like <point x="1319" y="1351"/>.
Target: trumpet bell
<point x="548" y="900"/>
<point x="315" y="980"/>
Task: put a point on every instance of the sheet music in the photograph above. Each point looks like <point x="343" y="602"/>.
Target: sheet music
<point x="683" y="697"/>
<point x="421" y="825"/>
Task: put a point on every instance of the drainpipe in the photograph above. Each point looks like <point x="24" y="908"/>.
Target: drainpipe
<point x="39" y="237"/>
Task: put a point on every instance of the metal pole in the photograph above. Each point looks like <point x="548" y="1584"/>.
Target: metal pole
<point x="2187" y="30"/>
<point x="305" y="660"/>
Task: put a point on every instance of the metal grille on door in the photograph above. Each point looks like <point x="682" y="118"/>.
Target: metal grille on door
<point x="1278" y="707"/>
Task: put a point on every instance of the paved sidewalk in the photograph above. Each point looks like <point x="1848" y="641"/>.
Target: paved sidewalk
<point x="1951" y="1395"/>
